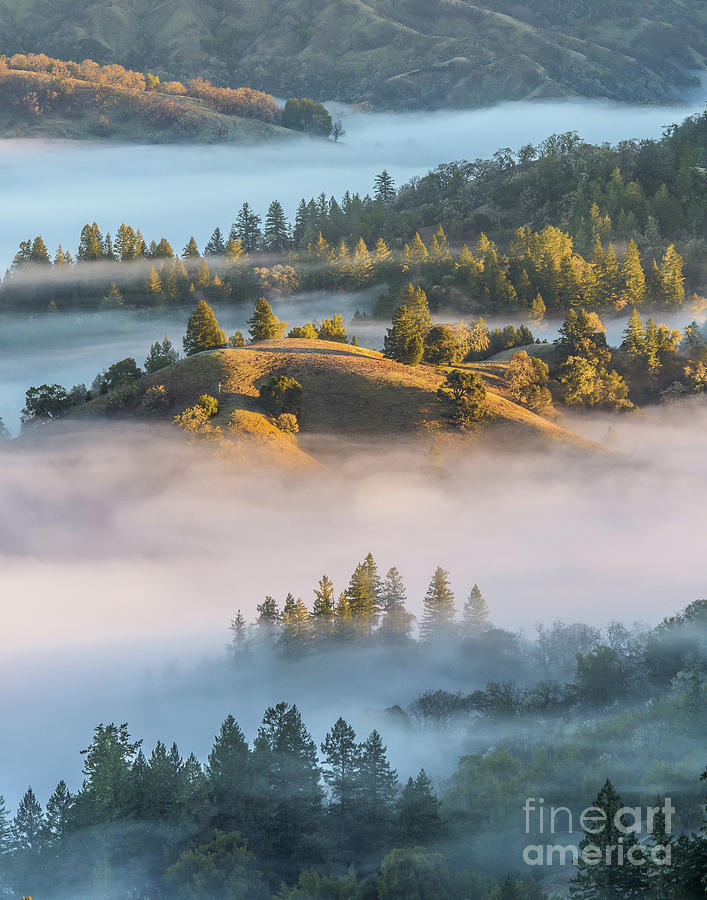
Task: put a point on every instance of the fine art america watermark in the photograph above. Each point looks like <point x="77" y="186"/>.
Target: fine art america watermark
<point x="628" y="820"/>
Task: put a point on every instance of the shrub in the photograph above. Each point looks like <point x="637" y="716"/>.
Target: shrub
<point x="282" y="394"/>
<point x="307" y="332"/>
<point x="287" y="423"/>
<point x="465" y="394"/>
<point x="209" y="404"/>
<point x="156" y="399"/>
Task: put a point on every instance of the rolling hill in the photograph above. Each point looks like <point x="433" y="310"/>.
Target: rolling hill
<point x="352" y="396"/>
<point x="391" y="53"/>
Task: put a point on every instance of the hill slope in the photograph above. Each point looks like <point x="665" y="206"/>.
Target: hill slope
<point x="351" y="396"/>
<point x="397" y="53"/>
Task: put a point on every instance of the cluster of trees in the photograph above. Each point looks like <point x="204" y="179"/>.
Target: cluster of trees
<point x="252" y="817"/>
<point x="370" y="608"/>
<point x="540" y="272"/>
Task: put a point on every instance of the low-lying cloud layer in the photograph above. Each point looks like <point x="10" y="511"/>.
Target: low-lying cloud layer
<point x="123" y="549"/>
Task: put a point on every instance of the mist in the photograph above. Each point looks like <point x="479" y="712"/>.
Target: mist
<point x="125" y="554"/>
<point x="55" y="187"/>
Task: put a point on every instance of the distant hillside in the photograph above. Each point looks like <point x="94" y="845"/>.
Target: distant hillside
<point x="395" y="53"/>
<point x="40" y="95"/>
<point x="351" y="395"/>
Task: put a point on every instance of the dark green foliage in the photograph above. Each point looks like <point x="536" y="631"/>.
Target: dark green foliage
<point x="282" y="394"/>
<point x="161" y="355"/>
<point x="264" y="324"/>
<point x="465" y="395"/>
<point x="222" y="868"/>
<point x="306" y="115"/>
<point x="124" y="372"/>
<point x="418" y="817"/>
<point x="203" y="332"/>
<point x="48" y="401"/>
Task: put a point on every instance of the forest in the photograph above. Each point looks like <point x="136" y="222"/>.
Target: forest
<point x="284" y="815"/>
<point x="565" y="224"/>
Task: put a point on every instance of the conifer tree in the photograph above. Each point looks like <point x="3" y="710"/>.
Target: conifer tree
<point x="246" y="229"/>
<point x="239" y="634"/>
<point x="264" y="324"/>
<point x="418" y="821"/>
<point x="609" y="877"/>
<point x="38" y="252"/>
<point x="650" y="353"/>
<point x="341" y="760"/>
<point x="228" y="774"/>
<point x="90" y="244"/>
<point x="216" y="244"/>
<point x="276" y="236"/>
<point x="396" y="622"/>
<point x="161" y="355"/>
<point x="268" y="616"/>
<point x="58" y="812"/>
<point x="153" y="285"/>
<point x="295" y="625"/>
<point x="364" y="595"/>
<point x="383" y="254"/>
<point x="632" y="277"/>
<point x="438" y="608"/>
<point x="476" y="611"/>
<point x="287" y="818"/>
<point x="324" y="609"/>
<point x="378" y="789"/>
<point x="203" y="332"/>
<point x="5" y="828"/>
<point x="384" y="187"/>
<point x="403" y="341"/>
<point x="670" y="278"/>
<point x="191" y="251"/>
<point x="344" y="628"/>
<point x="634" y="336"/>
<point x="29" y="824"/>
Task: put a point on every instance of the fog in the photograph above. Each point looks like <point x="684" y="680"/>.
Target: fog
<point x="55" y="187"/>
<point x="124" y="552"/>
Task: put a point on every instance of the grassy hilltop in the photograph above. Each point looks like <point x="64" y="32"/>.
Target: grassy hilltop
<point x="351" y="396"/>
<point x="394" y="53"/>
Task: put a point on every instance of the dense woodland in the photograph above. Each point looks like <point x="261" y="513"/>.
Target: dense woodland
<point x="548" y="228"/>
<point x="284" y="815"/>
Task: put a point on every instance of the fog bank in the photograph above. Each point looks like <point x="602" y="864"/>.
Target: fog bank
<point x="55" y="187"/>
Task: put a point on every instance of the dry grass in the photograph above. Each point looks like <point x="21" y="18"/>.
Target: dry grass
<point x="349" y="392"/>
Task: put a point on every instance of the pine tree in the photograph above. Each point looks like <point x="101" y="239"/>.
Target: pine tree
<point x="633" y="278"/>
<point x="324" y="609"/>
<point x="239" y="634"/>
<point x="125" y="242"/>
<point x="203" y="332"/>
<point x="90" y="243"/>
<point x="396" y="622"/>
<point x="403" y="341"/>
<point x="58" y="812"/>
<point x="228" y="775"/>
<point x="383" y="254"/>
<point x="438" y="608"/>
<point x="341" y="760"/>
<point x="191" y="251"/>
<point x="364" y="595"/>
<point x="161" y="355"/>
<point x="29" y="824"/>
<point x="378" y="789"/>
<point x="609" y="878"/>
<point x="670" y="278"/>
<point x="38" y="252"/>
<point x="264" y="324"/>
<point x="650" y="353"/>
<point x="287" y="819"/>
<point x="634" y="336"/>
<point x="538" y="309"/>
<point x="234" y="252"/>
<point x="5" y="828"/>
<point x="344" y="628"/>
<point x="295" y="625"/>
<point x="276" y="236"/>
<point x="418" y="821"/>
<point x="476" y="611"/>
<point x="215" y="245"/>
<point x="246" y="228"/>
<point x="153" y="285"/>
<point x="384" y="187"/>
